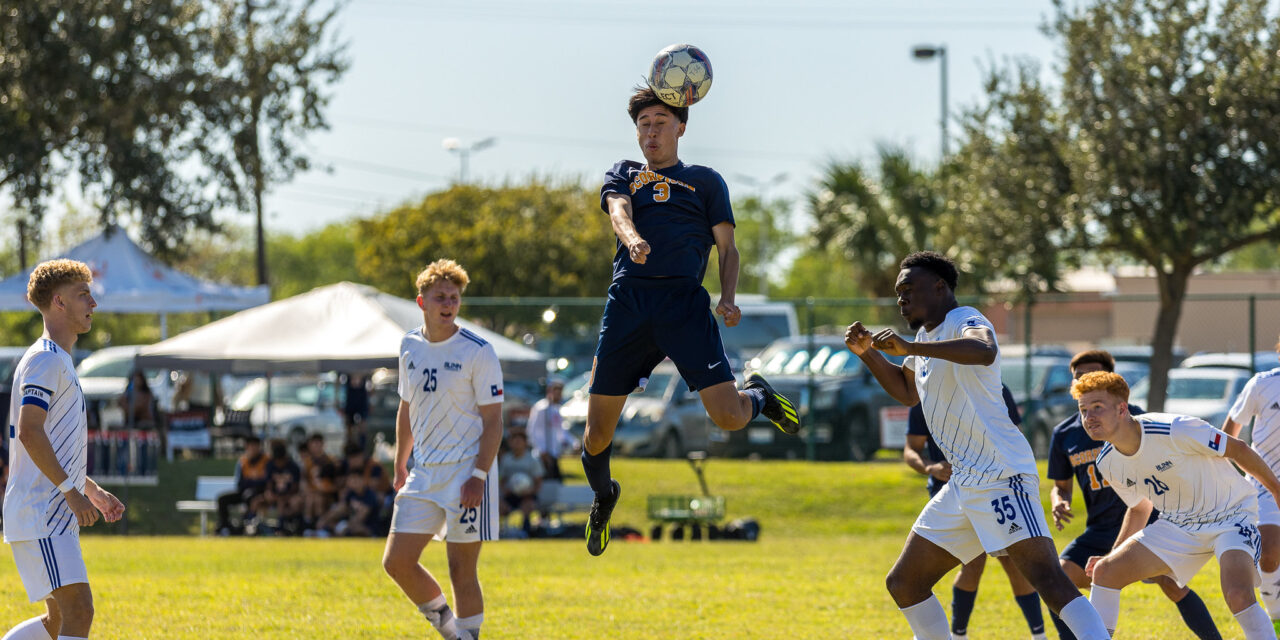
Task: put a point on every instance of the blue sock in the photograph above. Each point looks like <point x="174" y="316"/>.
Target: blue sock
<point x="1197" y="617"/>
<point x="757" y="400"/>
<point x="961" y="609"/>
<point x="1030" y="605"/>
<point x="1064" y="632"/>
<point x="597" y="470"/>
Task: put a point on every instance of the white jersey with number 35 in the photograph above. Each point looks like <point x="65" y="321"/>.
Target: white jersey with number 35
<point x="445" y="384"/>
<point x="1180" y="468"/>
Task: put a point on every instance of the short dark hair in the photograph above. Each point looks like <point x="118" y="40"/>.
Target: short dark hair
<point x="644" y="97"/>
<point x="935" y="263"/>
<point x="1094" y="356"/>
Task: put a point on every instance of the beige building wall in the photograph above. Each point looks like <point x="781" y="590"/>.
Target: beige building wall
<point x="1205" y="325"/>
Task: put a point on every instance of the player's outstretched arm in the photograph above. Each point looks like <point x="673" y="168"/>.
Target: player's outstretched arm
<point x="31" y="433"/>
<point x="1251" y="463"/>
<point x="624" y="227"/>
<point x="898" y="381"/>
<point x="727" y="252"/>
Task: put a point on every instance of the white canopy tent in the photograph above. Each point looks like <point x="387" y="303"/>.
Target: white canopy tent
<point x="343" y="326"/>
<point x="128" y="280"/>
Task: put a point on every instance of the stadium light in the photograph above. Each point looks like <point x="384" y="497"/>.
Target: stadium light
<point x="927" y="52"/>
<point x="454" y="145"/>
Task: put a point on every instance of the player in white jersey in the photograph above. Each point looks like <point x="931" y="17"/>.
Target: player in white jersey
<point x="450" y="421"/>
<point x="1260" y="402"/>
<point x="992" y="503"/>
<point x="49" y="497"/>
<point x="1182" y="466"/>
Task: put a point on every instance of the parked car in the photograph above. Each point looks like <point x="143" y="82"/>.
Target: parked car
<point x="762" y="322"/>
<point x="300" y="406"/>
<point x="1044" y="399"/>
<point x="104" y="375"/>
<point x="1204" y="392"/>
<point x="665" y="420"/>
<point x="1142" y="354"/>
<point x="1262" y="360"/>
<point x="842" y="415"/>
<point x="9" y="357"/>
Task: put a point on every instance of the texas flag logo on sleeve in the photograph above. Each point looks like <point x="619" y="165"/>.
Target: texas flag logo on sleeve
<point x="1216" y="442"/>
<point x="495" y="390"/>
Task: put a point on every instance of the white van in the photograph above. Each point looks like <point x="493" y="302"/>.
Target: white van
<point x="762" y="322"/>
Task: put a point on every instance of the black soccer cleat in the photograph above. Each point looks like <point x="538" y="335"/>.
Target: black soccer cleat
<point x="598" y="523"/>
<point x="777" y="408"/>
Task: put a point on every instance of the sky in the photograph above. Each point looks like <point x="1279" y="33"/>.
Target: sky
<point x="797" y="84"/>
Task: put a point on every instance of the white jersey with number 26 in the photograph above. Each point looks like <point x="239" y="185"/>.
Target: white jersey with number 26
<point x="445" y="384"/>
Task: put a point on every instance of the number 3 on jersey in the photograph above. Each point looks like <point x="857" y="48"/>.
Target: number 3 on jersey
<point x="661" y="192"/>
<point x="429" y="384"/>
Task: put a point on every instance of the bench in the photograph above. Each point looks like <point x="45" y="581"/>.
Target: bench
<point x="557" y="499"/>
<point x="208" y="488"/>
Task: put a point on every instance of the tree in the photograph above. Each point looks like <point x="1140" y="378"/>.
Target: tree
<point x="1170" y="110"/>
<point x="532" y="239"/>
<point x="875" y="218"/>
<point x="279" y="60"/>
<point x="761" y="233"/>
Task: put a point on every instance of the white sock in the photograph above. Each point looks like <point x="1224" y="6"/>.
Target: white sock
<point x="1256" y="623"/>
<point x="1087" y="620"/>
<point x="1270" y="591"/>
<point x="32" y="629"/>
<point x="927" y="619"/>
<point x="469" y="627"/>
<point x="437" y="612"/>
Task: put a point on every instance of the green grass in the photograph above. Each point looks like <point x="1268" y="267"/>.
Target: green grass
<point x="830" y="533"/>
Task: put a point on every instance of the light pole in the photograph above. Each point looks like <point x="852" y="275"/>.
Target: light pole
<point x="464" y="152"/>
<point x="762" y="187"/>
<point x="925" y="52"/>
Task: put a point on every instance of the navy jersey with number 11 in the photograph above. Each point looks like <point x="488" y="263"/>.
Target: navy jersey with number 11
<point x="674" y="209"/>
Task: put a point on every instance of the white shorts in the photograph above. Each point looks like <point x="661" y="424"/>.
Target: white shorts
<point x="48" y="563"/>
<point x="1186" y="551"/>
<point x="430" y="503"/>
<point x="1268" y="512"/>
<point x="966" y="521"/>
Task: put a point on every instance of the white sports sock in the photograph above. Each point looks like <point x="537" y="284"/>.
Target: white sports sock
<point x="1256" y="623"/>
<point x="1087" y="620"/>
<point x="1270" y="591"/>
<point x="927" y="619"/>
<point x="469" y="627"/>
<point x="32" y="629"/>
<point x="437" y="612"/>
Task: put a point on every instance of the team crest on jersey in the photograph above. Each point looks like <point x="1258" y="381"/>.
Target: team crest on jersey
<point x="452" y="366"/>
<point x="1164" y="466"/>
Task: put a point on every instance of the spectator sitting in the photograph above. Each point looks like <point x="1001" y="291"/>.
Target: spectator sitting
<point x="356" y="511"/>
<point x="138" y="401"/>
<point x="319" y="480"/>
<point x="251" y="481"/>
<point x="520" y="470"/>
<point x="283" y="487"/>
<point x="355" y="461"/>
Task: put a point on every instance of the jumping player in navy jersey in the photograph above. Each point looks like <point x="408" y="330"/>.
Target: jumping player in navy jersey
<point x="1072" y="454"/>
<point x="924" y="455"/>
<point x="667" y="215"/>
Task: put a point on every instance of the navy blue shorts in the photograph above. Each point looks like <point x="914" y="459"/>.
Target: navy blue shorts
<point x="646" y="320"/>
<point x="1093" y="542"/>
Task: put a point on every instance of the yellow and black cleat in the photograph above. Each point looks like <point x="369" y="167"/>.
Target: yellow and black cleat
<point x="777" y="408"/>
<point x="598" y="523"/>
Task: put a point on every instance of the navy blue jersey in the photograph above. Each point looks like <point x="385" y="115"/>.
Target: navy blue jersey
<point x="1073" y="452"/>
<point x="916" y="426"/>
<point x="674" y="210"/>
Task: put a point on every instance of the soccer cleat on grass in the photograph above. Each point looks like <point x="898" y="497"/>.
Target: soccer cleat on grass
<point x="777" y="408"/>
<point x="598" y="523"/>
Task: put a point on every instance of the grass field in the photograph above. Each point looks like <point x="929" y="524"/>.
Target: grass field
<point x="829" y="533"/>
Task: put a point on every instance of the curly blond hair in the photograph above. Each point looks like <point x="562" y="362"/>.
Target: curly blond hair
<point x="442" y="269"/>
<point x="1107" y="381"/>
<point x="51" y="274"/>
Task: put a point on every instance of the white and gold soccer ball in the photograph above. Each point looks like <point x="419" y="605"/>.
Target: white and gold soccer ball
<point x="680" y="75"/>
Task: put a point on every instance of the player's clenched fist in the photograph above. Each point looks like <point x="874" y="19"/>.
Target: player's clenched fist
<point x="638" y="251"/>
<point x="890" y="342"/>
<point x="857" y="338"/>
<point x="730" y="312"/>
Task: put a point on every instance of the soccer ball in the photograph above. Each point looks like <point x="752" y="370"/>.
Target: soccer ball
<point x="680" y="75"/>
<point x="520" y="483"/>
